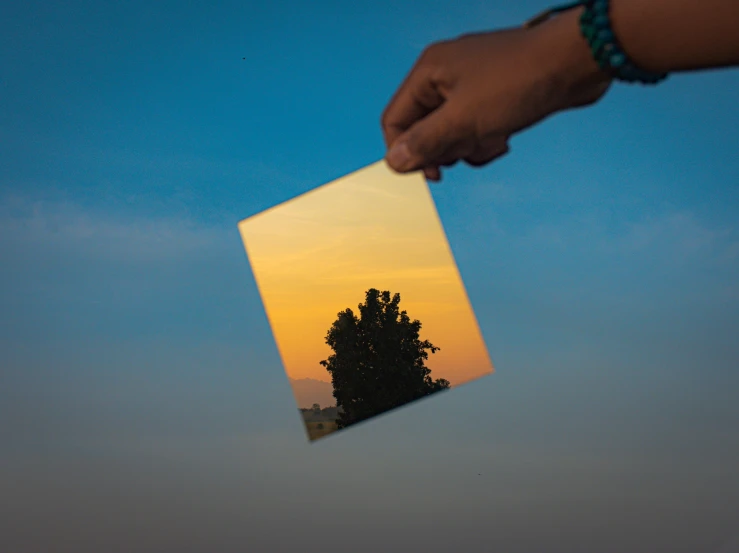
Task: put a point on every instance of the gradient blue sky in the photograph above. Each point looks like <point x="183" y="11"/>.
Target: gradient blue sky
<point x="142" y="403"/>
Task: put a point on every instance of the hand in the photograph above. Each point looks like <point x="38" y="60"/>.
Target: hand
<point x="466" y="97"/>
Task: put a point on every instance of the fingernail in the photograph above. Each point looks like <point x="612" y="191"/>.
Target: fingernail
<point x="399" y="156"/>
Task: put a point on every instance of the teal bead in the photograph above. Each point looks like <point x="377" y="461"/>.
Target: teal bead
<point x="617" y="59"/>
<point x="597" y="44"/>
<point x="600" y="6"/>
<point x="601" y="21"/>
<point x="606" y="35"/>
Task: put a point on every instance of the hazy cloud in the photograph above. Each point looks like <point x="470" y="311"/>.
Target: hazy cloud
<point x="529" y="215"/>
<point x="680" y="230"/>
<point x="65" y="225"/>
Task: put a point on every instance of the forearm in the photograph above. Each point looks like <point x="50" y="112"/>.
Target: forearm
<point x="677" y="35"/>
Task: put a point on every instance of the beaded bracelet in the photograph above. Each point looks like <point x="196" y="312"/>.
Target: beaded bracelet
<point x="595" y="26"/>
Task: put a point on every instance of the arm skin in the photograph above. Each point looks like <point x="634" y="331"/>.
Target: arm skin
<point x="464" y="98"/>
<point x="678" y="35"/>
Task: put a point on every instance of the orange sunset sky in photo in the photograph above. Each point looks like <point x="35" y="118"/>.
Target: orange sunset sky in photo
<point x="317" y="254"/>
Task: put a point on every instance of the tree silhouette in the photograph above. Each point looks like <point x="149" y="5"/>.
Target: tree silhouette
<point x="378" y="360"/>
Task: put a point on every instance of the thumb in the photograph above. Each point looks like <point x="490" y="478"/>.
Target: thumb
<point x="431" y="141"/>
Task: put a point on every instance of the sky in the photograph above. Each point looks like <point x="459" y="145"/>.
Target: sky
<point x="143" y="406"/>
<point x="316" y="255"/>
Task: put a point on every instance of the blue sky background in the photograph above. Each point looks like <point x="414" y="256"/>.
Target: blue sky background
<point x="142" y="403"/>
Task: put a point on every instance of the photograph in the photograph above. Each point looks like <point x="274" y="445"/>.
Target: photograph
<point x="366" y="304"/>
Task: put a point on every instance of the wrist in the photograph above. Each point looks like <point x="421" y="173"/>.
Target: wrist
<point x="577" y="79"/>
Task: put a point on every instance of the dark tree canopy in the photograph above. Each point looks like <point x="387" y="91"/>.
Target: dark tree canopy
<point x="378" y="360"/>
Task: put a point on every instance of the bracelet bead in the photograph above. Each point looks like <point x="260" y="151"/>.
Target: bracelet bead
<point x="595" y="27"/>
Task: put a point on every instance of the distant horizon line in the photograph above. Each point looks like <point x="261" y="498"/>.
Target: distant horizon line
<point x="309" y="378"/>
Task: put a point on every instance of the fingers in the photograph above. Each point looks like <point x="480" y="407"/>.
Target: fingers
<point x="475" y="155"/>
<point x="416" y="97"/>
<point x="432" y="173"/>
<point x="431" y="122"/>
<point x="440" y="138"/>
<point x="486" y="153"/>
<point x="481" y="156"/>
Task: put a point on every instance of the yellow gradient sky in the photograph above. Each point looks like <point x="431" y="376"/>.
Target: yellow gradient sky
<point x="317" y="254"/>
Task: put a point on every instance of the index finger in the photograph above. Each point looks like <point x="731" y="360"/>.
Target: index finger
<point x="416" y="97"/>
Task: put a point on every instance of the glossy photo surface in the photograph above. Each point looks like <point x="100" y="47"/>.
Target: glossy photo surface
<point x="364" y="298"/>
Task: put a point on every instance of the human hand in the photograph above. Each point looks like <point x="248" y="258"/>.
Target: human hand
<point x="466" y="97"/>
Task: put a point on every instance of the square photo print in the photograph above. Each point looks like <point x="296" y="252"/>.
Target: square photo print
<point x="364" y="298"/>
